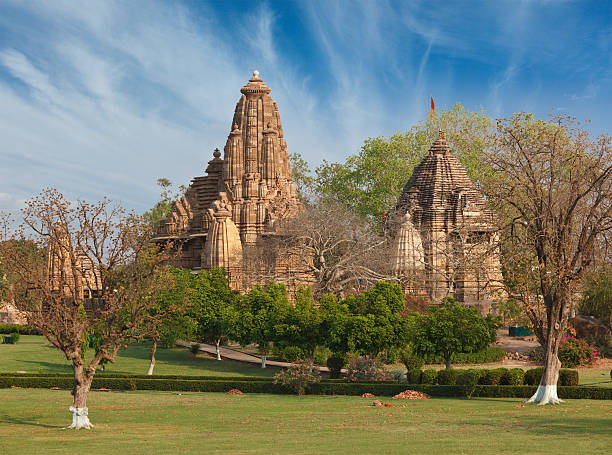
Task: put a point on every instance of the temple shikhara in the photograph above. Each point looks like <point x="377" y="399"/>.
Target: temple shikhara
<point x="443" y="233"/>
<point x="243" y="195"/>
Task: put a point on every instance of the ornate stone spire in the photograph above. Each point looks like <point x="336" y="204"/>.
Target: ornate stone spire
<point x="256" y="170"/>
<point x="407" y="250"/>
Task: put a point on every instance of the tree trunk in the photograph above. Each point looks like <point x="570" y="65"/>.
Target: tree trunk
<point x="217" y="343"/>
<point x="263" y="361"/>
<point x="547" y="389"/>
<point x="152" y="364"/>
<point x="80" y="390"/>
<point x="447" y="361"/>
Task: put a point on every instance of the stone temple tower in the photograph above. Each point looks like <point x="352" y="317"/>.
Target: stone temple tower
<point x="242" y="195"/>
<point x="443" y="233"/>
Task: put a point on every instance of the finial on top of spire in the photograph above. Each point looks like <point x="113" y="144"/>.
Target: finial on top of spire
<point x="217" y="153"/>
<point x="255" y="74"/>
<point x="441" y="134"/>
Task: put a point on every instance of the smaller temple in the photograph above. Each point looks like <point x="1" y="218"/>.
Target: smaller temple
<point x="444" y="235"/>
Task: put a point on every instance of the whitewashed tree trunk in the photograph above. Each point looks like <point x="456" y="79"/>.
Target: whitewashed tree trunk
<point x="217" y="343"/>
<point x="263" y="361"/>
<point x="547" y="389"/>
<point x="80" y="419"/>
<point x="80" y="390"/>
<point x="153" y="351"/>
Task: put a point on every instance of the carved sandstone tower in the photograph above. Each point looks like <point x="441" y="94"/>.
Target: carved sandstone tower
<point x="443" y="232"/>
<point x="242" y="195"/>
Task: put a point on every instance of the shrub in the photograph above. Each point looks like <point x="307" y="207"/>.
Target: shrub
<point x="413" y="376"/>
<point x="446" y="377"/>
<point x="513" y="376"/>
<point x="15" y="337"/>
<point x="397" y="375"/>
<point x="22" y="329"/>
<point x="411" y="361"/>
<point x="298" y="376"/>
<point x="291" y="354"/>
<point x="490" y="354"/>
<point x="335" y="363"/>
<point x="321" y="354"/>
<point x="194" y="348"/>
<point x="428" y="376"/>
<point x="568" y="377"/>
<point x="492" y="377"/>
<point x="366" y="368"/>
<point x="533" y="376"/>
<point x="467" y="380"/>
<point x="537" y="354"/>
<point x="574" y="352"/>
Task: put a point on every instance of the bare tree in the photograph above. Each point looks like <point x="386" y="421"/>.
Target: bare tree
<point x="83" y="268"/>
<point x="553" y="185"/>
<point x="325" y="246"/>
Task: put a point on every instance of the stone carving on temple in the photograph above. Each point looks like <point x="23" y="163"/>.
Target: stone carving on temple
<point x="444" y="235"/>
<point x="243" y="195"/>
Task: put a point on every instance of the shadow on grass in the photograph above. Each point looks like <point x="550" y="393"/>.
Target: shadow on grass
<point x="30" y="422"/>
<point x="552" y="425"/>
<point x="49" y="367"/>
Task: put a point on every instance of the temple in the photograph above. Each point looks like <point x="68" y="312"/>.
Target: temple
<point x="241" y="196"/>
<point x="443" y="234"/>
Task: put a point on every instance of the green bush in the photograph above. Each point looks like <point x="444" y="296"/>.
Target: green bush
<point x="533" y="376"/>
<point x="15" y="337"/>
<point x="446" y="377"/>
<point x="321" y="354"/>
<point x="194" y="348"/>
<point x="492" y="377"/>
<point x="411" y="361"/>
<point x="18" y="328"/>
<point x="490" y="354"/>
<point x="568" y="377"/>
<point x="335" y="363"/>
<point x="513" y="376"/>
<point x="574" y="352"/>
<point x="291" y="354"/>
<point x="413" y="376"/>
<point x="467" y="380"/>
<point x="428" y="376"/>
<point x="397" y="375"/>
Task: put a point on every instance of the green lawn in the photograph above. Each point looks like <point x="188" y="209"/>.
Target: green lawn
<point x="209" y="423"/>
<point x="34" y="354"/>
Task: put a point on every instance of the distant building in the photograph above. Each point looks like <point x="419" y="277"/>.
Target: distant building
<point x="242" y="196"/>
<point x="444" y="234"/>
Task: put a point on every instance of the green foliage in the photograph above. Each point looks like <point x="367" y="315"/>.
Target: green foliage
<point x="597" y="299"/>
<point x="411" y="361"/>
<point x="446" y="377"/>
<point x="194" y="348"/>
<point x="428" y="376"/>
<point x="490" y="354"/>
<point x="291" y="353"/>
<point x="413" y="376"/>
<point x="15" y="337"/>
<point x="335" y="363"/>
<point x="162" y="208"/>
<point x="370" y="322"/>
<point x="213" y="304"/>
<point x="513" y="376"/>
<point x="492" y="377"/>
<point x="449" y="329"/>
<point x="467" y="381"/>
<point x="302" y="176"/>
<point x="371" y="181"/>
<point x="18" y="328"/>
<point x="298" y="376"/>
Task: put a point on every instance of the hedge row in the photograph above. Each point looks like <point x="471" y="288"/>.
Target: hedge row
<point x="323" y="388"/>
<point x="497" y="376"/>
<point x="488" y="355"/>
<point x="102" y="374"/>
<point x="18" y="328"/>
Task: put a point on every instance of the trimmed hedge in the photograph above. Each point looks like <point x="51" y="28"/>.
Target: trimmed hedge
<point x="567" y="377"/>
<point x="490" y="354"/>
<point x="326" y="388"/>
<point x="18" y="328"/>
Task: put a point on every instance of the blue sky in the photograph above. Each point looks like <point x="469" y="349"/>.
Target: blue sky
<point x="102" y="97"/>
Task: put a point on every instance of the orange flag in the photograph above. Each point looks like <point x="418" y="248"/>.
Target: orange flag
<point x="433" y="106"/>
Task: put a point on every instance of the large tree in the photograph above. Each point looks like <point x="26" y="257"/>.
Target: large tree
<point x="91" y="269"/>
<point x="554" y="189"/>
<point x="371" y="180"/>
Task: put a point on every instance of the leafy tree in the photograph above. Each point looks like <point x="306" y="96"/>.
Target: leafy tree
<point x="553" y="185"/>
<point x="448" y="329"/>
<point x="302" y="177"/>
<point x="162" y="208"/>
<point x="261" y="310"/>
<point x="213" y="304"/>
<point x="372" y="180"/>
<point x="302" y="325"/>
<point x="597" y="300"/>
<point x="370" y="322"/>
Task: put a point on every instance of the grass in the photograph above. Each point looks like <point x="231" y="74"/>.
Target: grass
<point x="34" y="354"/>
<point x="190" y="423"/>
